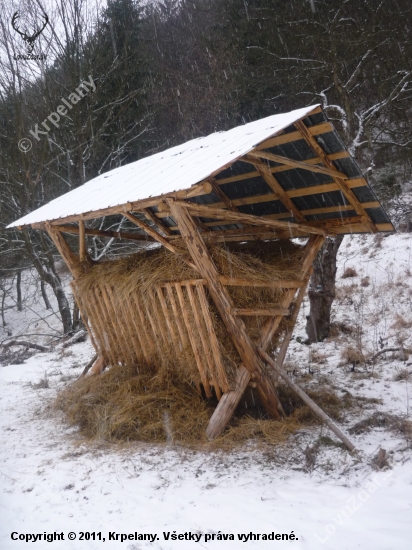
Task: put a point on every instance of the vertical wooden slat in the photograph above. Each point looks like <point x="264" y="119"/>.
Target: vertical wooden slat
<point x="138" y="330"/>
<point x="120" y="348"/>
<point x="204" y="341"/>
<point x="147" y="341"/>
<point x="222" y="377"/>
<point x="152" y="323"/>
<point x="162" y="338"/>
<point x="99" y="319"/>
<point x="169" y="323"/>
<point x="177" y="317"/>
<point x="192" y="339"/>
<point x="128" y="323"/>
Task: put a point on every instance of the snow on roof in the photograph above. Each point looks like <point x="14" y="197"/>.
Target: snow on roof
<point x="172" y="170"/>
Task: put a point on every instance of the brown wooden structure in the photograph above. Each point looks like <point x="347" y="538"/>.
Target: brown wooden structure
<point x="298" y="182"/>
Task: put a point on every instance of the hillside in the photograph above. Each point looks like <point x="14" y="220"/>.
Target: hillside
<point x="55" y="481"/>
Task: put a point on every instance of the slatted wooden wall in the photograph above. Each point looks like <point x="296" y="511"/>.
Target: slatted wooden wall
<point x="168" y="323"/>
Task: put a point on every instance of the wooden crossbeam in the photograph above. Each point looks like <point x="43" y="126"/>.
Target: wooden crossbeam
<point x="347" y="192"/>
<point x="316" y="130"/>
<point x="298" y="164"/>
<point x="234" y="325"/>
<point x="218" y="213"/>
<point x="65" y="251"/>
<point x="107" y="234"/>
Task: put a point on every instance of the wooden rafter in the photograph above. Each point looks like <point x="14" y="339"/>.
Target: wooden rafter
<point x="150" y="231"/>
<point x="218" y="213"/>
<point x="279" y="191"/>
<point x="157" y="222"/>
<point x="298" y="164"/>
<point x="235" y="326"/>
<point x="347" y="192"/>
<point x="222" y="196"/>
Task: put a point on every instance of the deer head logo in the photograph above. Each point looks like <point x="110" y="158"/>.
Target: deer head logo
<point x="27" y="38"/>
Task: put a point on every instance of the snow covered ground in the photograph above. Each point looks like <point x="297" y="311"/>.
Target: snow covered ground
<point x="54" y="482"/>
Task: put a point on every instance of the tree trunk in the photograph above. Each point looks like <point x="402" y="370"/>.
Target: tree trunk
<point x="18" y="288"/>
<point x="49" y="275"/>
<point x="44" y="294"/>
<point x="322" y="290"/>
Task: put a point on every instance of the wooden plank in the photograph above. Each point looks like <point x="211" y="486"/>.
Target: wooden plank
<point x="214" y="344"/>
<point x="158" y="223"/>
<point x="235" y="281"/>
<point x="196" y="351"/>
<point x="347" y="192"/>
<point x="82" y="241"/>
<point x="298" y="164"/>
<point x="316" y="130"/>
<point x="234" y="325"/>
<point x="218" y="213"/>
<point x="205" y="341"/>
<point x="264" y="312"/>
<point x="158" y="237"/>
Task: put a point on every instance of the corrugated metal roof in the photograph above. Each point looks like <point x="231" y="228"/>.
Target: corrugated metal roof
<point x="176" y="169"/>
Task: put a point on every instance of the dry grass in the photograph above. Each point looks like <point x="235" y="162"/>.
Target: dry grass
<point x="125" y="405"/>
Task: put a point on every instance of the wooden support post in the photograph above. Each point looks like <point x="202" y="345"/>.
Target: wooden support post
<point x="309" y="402"/>
<point x="227" y="405"/>
<point x="234" y="325"/>
<point x="65" y="251"/>
<point x="82" y="241"/>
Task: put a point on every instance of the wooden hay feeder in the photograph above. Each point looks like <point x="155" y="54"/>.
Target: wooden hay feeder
<point x="260" y="184"/>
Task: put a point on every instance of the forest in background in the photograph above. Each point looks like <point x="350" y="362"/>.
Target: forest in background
<point x="169" y="71"/>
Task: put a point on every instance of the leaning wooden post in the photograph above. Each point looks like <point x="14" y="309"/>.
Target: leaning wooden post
<point x="82" y="241"/>
<point x="235" y="326"/>
<point x="309" y="402"/>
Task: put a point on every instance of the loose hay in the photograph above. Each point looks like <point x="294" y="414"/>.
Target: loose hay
<point x="123" y="404"/>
